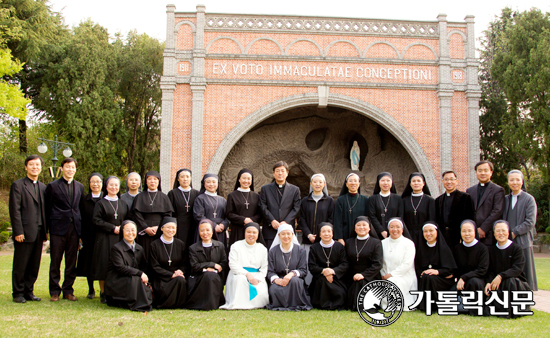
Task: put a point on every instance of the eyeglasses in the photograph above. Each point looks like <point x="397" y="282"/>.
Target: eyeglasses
<point x="449" y="179"/>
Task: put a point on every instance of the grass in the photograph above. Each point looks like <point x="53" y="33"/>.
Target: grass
<point x="542" y="266"/>
<point x="90" y="318"/>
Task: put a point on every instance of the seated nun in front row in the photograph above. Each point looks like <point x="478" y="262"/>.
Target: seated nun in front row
<point x="208" y="269"/>
<point x="506" y="263"/>
<point x="246" y="287"/>
<point x="168" y="266"/>
<point x="126" y="284"/>
<point x="287" y="263"/>
<point x="328" y="265"/>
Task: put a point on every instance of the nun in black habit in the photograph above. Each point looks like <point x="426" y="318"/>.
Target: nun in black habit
<point x="384" y="204"/>
<point x="365" y="257"/>
<point x="127" y="284"/>
<point x="349" y="205"/>
<point x="506" y="263"/>
<point x="109" y="213"/>
<point x="287" y="269"/>
<point x="209" y="267"/>
<point x="328" y="264"/>
<point x="418" y="206"/>
<point x="182" y="196"/>
<point x="434" y="264"/>
<point x="133" y="187"/>
<point x="167" y="262"/>
<point x="472" y="260"/>
<point x="148" y="210"/>
<point x="209" y="204"/>
<point x="243" y="205"/>
<point x="316" y="208"/>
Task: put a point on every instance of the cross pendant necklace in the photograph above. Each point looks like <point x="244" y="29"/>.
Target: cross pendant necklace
<point x="285" y="263"/>
<point x="246" y="199"/>
<point x="385" y="205"/>
<point x="169" y="262"/>
<point x="359" y="251"/>
<point x="414" y="208"/>
<point x="115" y="210"/>
<point x="328" y="257"/>
<point x="351" y="206"/>
<point x="186" y="200"/>
<point x="152" y="200"/>
<point x="168" y="254"/>
<point x="212" y="205"/>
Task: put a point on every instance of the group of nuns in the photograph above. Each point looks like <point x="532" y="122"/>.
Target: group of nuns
<point x="151" y="249"/>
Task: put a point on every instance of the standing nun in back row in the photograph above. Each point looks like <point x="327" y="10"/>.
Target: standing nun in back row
<point x="209" y="204"/>
<point x="384" y="204"/>
<point x="243" y="205"/>
<point x="418" y="206"/>
<point x="182" y="196"/>
<point x="349" y="205"/>
<point x="148" y="210"/>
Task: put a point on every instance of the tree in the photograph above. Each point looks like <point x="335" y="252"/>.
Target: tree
<point x="12" y="100"/>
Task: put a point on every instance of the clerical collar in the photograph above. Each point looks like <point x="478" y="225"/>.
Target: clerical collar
<point x="417" y="195"/>
<point x="363" y="238"/>
<point x="68" y="181"/>
<point x="289" y="250"/>
<point x="211" y="193"/>
<point x="507" y="244"/>
<point x="281" y="186"/>
<point x="184" y="190"/>
<point x="96" y="196"/>
<point x="385" y="195"/>
<point x="149" y="190"/>
<point x="206" y="245"/>
<point x="484" y="184"/>
<point x="113" y="199"/>
<point x="243" y="190"/>
<point x="132" y="246"/>
<point x="472" y="243"/>
<point x="450" y="193"/>
<point x="431" y="245"/>
<point x="133" y="195"/>
<point x="170" y="241"/>
<point x="327" y="245"/>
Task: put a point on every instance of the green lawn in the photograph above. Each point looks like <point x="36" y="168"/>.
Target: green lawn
<point x="90" y="318"/>
<point x="542" y="265"/>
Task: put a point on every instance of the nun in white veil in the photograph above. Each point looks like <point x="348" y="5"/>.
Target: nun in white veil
<point x="287" y="268"/>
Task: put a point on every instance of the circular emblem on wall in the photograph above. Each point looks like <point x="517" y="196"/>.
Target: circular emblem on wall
<point x="380" y="303"/>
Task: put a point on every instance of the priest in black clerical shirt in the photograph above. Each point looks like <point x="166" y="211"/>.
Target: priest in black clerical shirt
<point x="488" y="200"/>
<point x="279" y="201"/>
<point x="452" y="208"/>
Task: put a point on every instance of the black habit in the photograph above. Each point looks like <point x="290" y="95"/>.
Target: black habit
<point x="205" y="287"/>
<point x="382" y="209"/>
<point x="165" y="259"/>
<point x="214" y="209"/>
<point x="325" y="295"/>
<point x="451" y="210"/>
<point x="279" y="206"/>
<point x="28" y="218"/>
<point x="88" y="236"/>
<point x="241" y="205"/>
<point x="364" y="257"/>
<point x="148" y="210"/>
<point x="105" y="223"/>
<point x="123" y="285"/>
<point x="314" y="213"/>
<point x="417" y="210"/>
<point x="344" y="225"/>
<point x="182" y="203"/>
<point x="472" y="265"/>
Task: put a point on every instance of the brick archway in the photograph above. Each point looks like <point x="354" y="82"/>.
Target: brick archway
<point x="377" y="115"/>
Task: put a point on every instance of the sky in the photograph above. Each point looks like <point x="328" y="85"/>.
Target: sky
<point x="149" y="17"/>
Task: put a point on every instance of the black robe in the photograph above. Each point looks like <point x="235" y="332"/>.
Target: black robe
<point x="204" y="208"/>
<point x="460" y="209"/>
<point x="425" y="211"/>
<point x="170" y="293"/>
<point x="105" y="222"/>
<point x="293" y="296"/>
<point x="184" y="215"/>
<point x="88" y="234"/>
<point x="237" y="212"/>
<point x="508" y="263"/>
<point x="147" y="211"/>
<point x="343" y="219"/>
<point x="123" y="285"/>
<point x="379" y="217"/>
<point x="129" y="199"/>
<point x="369" y="264"/>
<point x="472" y="265"/>
<point x="325" y="295"/>
<point x="206" y="288"/>
<point x="312" y="214"/>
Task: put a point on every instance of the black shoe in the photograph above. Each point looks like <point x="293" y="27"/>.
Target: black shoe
<point x="102" y="298"/>
<point x="32" y="297"/>
<point x="19" y="299"/>
<point x="91" y="295"/>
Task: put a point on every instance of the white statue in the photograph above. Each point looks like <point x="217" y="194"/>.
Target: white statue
<point x="354" y="156"/>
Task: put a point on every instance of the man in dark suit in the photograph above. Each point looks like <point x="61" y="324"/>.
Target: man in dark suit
<point x="280" y="202"/>
<point x="63" y="198"/>
<point x="452" y="208"/>
<point x="488" y="200"/>
<point x="28" y="221"/>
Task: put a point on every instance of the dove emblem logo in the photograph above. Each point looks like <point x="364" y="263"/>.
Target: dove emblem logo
<point x="380" y="303"/>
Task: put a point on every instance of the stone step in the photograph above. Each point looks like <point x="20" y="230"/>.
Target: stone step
<point x="536" y="248"/>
